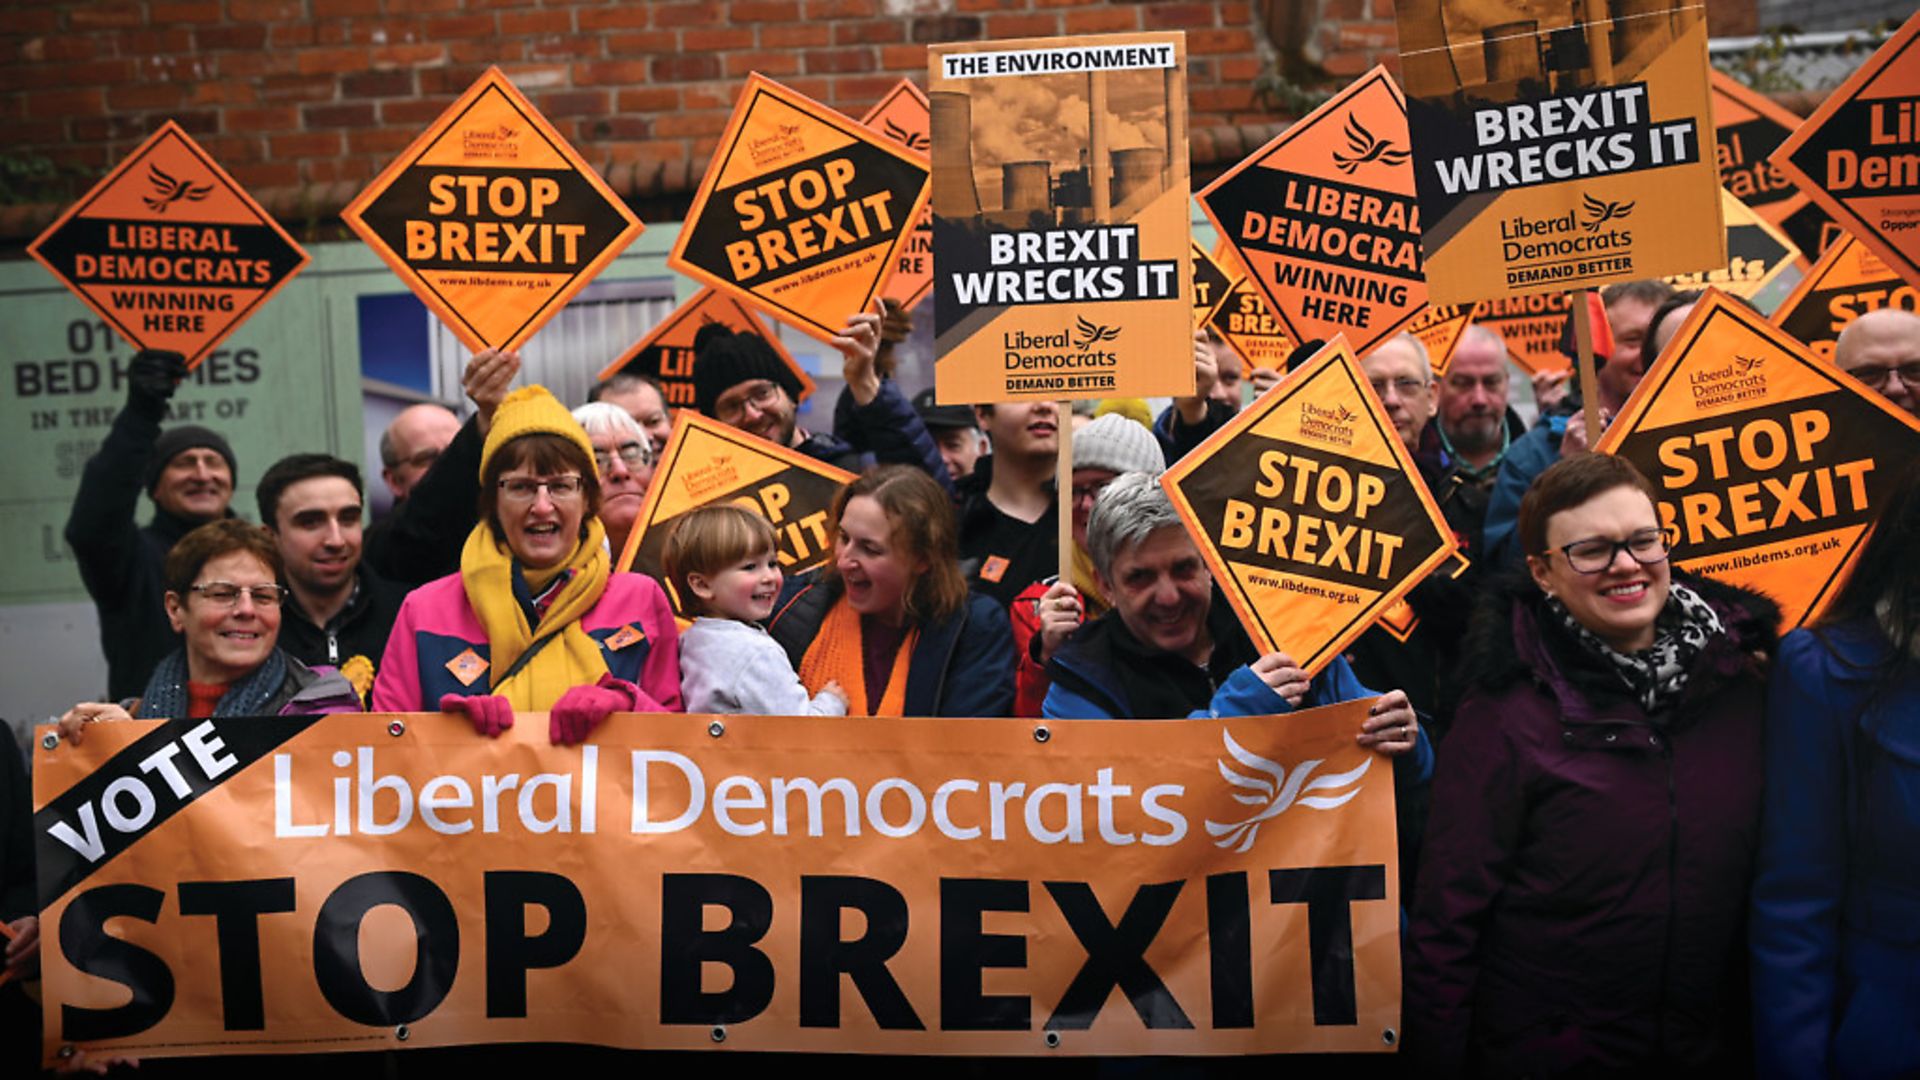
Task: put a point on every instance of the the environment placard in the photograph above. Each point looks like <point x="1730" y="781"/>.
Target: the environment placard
<point x="1554" y="150"/>
<point x="1847" y="282"/>
<point x="1747" y="127"/>
<point x="491" y="218"/>
<point x="1770" y="464"/>
<point x="1440" y="327"/>
<point x="707" y="462"/>
<point x="803" y="211"/>
<point x="1061" y="232"/>
<point x="1858" y="155"/>
<point x="950" y="886"/>
<point x="1758" y="251"/>
<point x="666" y="352"/>
<point x="1324" y="218"/>
<point x="902" y="116"/>
<point x="168" y="249"/>
<point x="1309" y="511"/>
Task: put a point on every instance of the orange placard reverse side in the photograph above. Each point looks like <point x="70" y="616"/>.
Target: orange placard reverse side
<point x="803" y="211"/>
<point x="707" y="462"/>
<point x="1439" y="327"/>
<point x="666" y="352"/>
<point x="1325" y="221"/>
<point x="1747" y="127"/>
<point x="1858" y="155"/>
<point x="1310" y="512"/>
<point x="1770" y="465"/>
<point x="1847" y="282"/>
<point x="1757" y="252"/>
<point x="168" y="249"/>
<point x="491" y="218"/>
<point x="903" y="116"/>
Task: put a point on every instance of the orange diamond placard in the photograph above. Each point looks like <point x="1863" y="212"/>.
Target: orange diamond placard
<point x="1847" y="282"/>
<point x="1531" y="326"/>
<point x="1747" y="127"/>
<point x="168" y="249"/>
<point x="803" y="212"/>
<point x="1439" y="327"/>
<point x="1757" y="252"/>
<point x="1211" y="283"/>
<point x="666" y="352"/>
<point x="706" y="462"/>
<point x="1310" y="512"/>
<point x="491" y="218"/>
<point x="903" y="116"/>
<point x="1770" y="464"/>
<point x="1325" y="220"/>
<point x="1248" y="325"/>
<point x="1858" y="155"/>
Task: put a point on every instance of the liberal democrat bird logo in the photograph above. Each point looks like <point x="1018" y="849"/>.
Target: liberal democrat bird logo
<point x="913" y="140"/>
<point x="1366" y="148"/>
<point x="168" y="191"/>
<point x="1748" y="363"/>
<point x="1604" y="212"/>
<point x="1278" y="791"/>
<point x="1091" y="335"/>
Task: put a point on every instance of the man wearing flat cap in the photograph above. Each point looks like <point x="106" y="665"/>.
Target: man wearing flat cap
<point x="188" y="471"/>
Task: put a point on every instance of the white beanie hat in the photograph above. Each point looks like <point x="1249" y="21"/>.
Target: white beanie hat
<point x="1117" y="444"/>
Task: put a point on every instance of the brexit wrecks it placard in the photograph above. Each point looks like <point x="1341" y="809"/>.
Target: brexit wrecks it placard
<point x="666" y="353"/>
<point x="1324" y="218"/>
<point x="803" y="211"/>
<point x="491" y="218"/>
<point x="1770" y="465"/>
<point x="1310" y="512"/>
<point x="1554" y="150"/>
<point x="707" y="462"/>
<point x="920" y="886"/>
<point x="168" y="249"/>
<point x="1060" y="223"/>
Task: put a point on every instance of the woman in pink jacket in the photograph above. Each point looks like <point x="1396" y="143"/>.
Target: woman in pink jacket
<point x="535" y="619"/>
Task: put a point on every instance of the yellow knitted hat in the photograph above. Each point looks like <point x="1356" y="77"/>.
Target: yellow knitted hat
<point x="1132" y="408"/>
<point x="532" y="410"/>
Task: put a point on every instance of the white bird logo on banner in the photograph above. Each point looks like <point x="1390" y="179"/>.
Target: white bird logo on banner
<point x="1277" y="791"/>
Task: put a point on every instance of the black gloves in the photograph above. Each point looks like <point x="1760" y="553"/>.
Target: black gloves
<point x="152" y="376"/>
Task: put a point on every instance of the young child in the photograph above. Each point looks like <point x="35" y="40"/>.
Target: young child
<point x="721" y="560"/>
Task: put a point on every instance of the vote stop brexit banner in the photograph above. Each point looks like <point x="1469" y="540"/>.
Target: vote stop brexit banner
<point x="1758" y="251"/>
<point x="706" y="462"/>
<point x="1309" y="511"/>
<point x="1557" y="151"/>
<point x="1847" y="282"/>
<point x="1747" y="127"/>
<point x="491" y="218"/>
<point x="168" y="249"/>
<point x="802" y="212"/>
<point x="1061" y="233"/>
<point x="1770" y="465"/>
<point x="902" y="116"/>
<point x="1324" y="218"/>
<point x="938" y="886"/>
<point x="1858" y="155"/>
<point x="666" y="352"/>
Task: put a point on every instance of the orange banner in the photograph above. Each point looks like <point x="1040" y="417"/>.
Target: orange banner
<point x="277" y="885"/>
<point x="666" y="352"/>
<point x="1769" y="463"/>
<point x="1847" y="282"/>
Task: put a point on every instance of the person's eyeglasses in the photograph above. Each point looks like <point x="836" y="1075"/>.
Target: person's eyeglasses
<point x="1649" y="547"/>
<point x="634" y="454"/>
<point x="525" y="489"/>
<point x="1402" y="387"/>
<point x="759" y="395"/>
<point x="1088" y="492"/>
<point x="1877" y="375"/>
<point x="225" y="594"/>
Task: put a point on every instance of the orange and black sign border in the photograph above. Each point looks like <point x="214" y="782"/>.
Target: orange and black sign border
<point x="707" y="294"/>
<point x="905" y="88"/>
<point x="1204" y="316"/>
<point x="1466" y="315"/>
<point x="495" y="81"/>
<point x="1817" y="280"/>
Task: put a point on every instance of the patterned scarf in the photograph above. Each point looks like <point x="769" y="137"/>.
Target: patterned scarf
<point x="836" y="656"/>
<point x="1656" y="674"/>
<point x="166" y="693"/>
<point x="497" y="591"/>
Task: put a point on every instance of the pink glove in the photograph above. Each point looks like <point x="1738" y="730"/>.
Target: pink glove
<point x="583" y="708"/>
<point x="491" y="714"/>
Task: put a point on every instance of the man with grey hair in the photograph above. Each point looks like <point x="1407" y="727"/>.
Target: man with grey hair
<point x="624" y="458"/>
<point x="1882" y="349"/>
<point x="1169" y="648"/>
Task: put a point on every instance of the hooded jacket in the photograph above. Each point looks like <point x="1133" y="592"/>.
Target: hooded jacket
<point x="1586" y="864"/>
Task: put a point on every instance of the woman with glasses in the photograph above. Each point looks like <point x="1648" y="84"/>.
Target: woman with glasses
<point x="535" y="619"/>
<point x="1596" y="806"/>
<point x="224" y="599"/>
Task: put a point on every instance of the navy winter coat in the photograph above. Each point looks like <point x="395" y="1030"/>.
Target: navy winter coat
<point x="884" y="431"/>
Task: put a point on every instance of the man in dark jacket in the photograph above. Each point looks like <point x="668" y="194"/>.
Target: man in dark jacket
<point x="188" y="471"/>
<point x="336" y="608"/>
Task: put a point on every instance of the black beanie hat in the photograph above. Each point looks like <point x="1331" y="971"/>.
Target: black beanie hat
<point x="186" y="437"/>
<point x="724" y="360"/>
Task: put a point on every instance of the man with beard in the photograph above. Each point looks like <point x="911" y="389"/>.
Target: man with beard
<point x="1473" y="428"/>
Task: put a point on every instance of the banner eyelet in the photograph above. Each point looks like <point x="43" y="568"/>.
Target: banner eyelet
<point x="1041" y="734"/>
<point x="716" y="729"/>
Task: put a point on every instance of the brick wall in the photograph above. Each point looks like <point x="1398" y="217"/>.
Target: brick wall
<point x="307" y="99"/>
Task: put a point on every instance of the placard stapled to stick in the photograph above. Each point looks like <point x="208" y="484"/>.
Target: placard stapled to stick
<point x="1847" y="282"/>
<point x="902" y="115"/>
<point x="1769" y="463"/>
<point x="1309" y="511"/>
<point x="666" y="352"/>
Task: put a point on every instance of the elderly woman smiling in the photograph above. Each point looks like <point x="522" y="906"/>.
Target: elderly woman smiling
<point x="1596" y="806"/>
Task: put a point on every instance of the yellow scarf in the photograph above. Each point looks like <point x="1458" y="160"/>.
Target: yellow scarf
<point x="486" y="571"/>
<point x="1091" y="597"/>
<point x="836" y="655"/>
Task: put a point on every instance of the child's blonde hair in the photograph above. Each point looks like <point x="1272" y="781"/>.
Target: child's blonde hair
<point x="709" y="540"/>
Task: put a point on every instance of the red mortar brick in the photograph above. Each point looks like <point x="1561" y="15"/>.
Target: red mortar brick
<point x="356" y="114"/>
<point x="153" y="95"/>
<point x="716" y="40"/>
<point x="648" y="99"/>
<point x="103" y="16"/>
<point x="574" y="103"/>
<point x="1019" y="26"/>
<point x="262" y="120"/>
<point x="750" y="12"/>
<point x="377" y="84"/>
<point x="798" y="36"/>
<point x="459" y="26"/>
<point x="230" y="37"/>
<point x="161" y="12"/>
<point x="536" y="22"/>
<point x="740" y="64"/>
<point x="1103" y="20"/>
<point x="839" y="61"/>
<point x="674" y="16"/>
<point x="304" y="144"/>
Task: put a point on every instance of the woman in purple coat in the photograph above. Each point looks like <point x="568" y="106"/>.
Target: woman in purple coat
<point x="1595" y="807"/>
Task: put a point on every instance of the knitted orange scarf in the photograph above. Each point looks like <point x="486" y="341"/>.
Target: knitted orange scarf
<point x="835" y="655"/>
